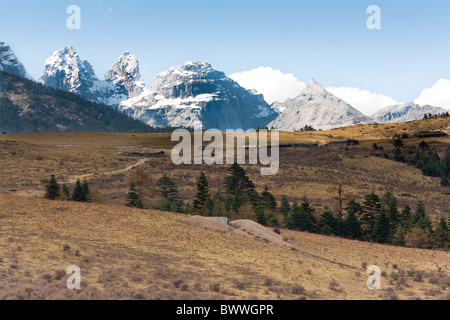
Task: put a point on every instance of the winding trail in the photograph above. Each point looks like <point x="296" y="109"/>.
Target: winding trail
<point x="74" y="179"/>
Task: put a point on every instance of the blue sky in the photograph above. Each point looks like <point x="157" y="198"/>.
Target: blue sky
<point x="325" y="40"/>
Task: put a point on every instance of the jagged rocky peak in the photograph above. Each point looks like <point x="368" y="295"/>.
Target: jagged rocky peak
<point x="9" y="62"/>
<point x="195" y="92"/>
<point x="125" y="73"/>
<point x="314" y="88"/>
<point x="66" y="71"/>
<point x="189" y="79"/>
<point x="316" y="107"/>
<point x="405" y="112"/>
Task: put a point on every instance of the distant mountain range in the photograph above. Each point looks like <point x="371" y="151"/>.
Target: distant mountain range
<point x="405" y="112"/>
<point x="196" y="94"/>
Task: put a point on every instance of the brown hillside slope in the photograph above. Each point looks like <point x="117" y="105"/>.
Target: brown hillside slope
<point x="141" y="254"/>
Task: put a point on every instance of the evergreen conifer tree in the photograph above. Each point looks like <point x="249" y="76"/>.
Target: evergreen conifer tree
<point x="381" y="230"/>
<point x="78" y="194"/>
<point x="352" y="226"/>
<point x="133" y="198"/>
<point x="52" y="189"/>
<point x="202" y="195"/>
<point x="285" y="207"/>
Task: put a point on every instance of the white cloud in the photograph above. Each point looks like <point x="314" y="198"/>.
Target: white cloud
<point x="273" y="84"/>
<point x="365" y="101"/>
<point x="438" y="95"/>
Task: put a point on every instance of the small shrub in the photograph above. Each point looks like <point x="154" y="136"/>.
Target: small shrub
<point x="184" y="287"/>
<point x="297" y="289"/>
<point x="334" y="285"/>
<point x="59" y="274"/>
<point x="277" y="231"/>
<point x="268" y="282"/>
<point x="66" y="247"/>
<point x="215" y="287"/>
<point x="177" y="283"/>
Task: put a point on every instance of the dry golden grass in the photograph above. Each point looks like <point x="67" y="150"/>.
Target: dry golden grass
<point x="27" y="159"/>
<point x="127" y="253"/>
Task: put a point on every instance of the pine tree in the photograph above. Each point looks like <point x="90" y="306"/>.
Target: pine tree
<point x="240" y="188"/>
<point x="372" y="207"/>
<point x="381" y="230"/>
<point x="78" y="194"/>
<point x="52" y="189"/>
<point x="261" y="216"/>
<point x="351" y="226"/>
<point x="405" y="217"/>
<point x="398" y="144"/>
<point x="442" y="234"/>
<point x="285" y="207"/>
<point x="355" y="208"/>
<point x="268" y="200"/>
<point x="392" y="208"/>
<point x="301" y="218"/>
<point x="133" y="198"/>
<point x="202" y="195"/>
<point x="167" y="188"/>
<point x="86" y="191"/>
<point x="421" y="219"/>
<point x="328" y="223"/>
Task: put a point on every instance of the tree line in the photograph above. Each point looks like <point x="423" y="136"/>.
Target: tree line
<point x="376" y="219"/>
<point x="423" y="157"/>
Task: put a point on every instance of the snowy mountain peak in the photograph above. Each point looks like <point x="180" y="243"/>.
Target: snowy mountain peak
<point x="66" y="71"/>
<point x="314" y="88"/>
<point x="316" y="107"/>
<point x="187" y="73"/>
<point x="404" y="112"/>
<point x="9" y="62"/>
<point x="194" y="92"/>
<point x="125" y="73"/>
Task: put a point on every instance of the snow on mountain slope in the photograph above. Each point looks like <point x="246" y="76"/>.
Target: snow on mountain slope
<point x="316" y="107"/>
<point x="404" y="112"/>
<point x="9" y="62"/>
<point x="194" y="93"/>
<point x="124" y="73"/>
<point x="66" y="71"/>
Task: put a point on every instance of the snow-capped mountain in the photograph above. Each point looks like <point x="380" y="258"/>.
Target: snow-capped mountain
<point x="9" y="62"/>
<point x="125" y="74"/>
<point x="195" y="94"/>
<point x="405" y="112"/>
<point x="66" y="71"/>
<point x="316" y="107"/>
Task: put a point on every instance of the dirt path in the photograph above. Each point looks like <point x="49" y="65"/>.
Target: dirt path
<point x="74" y="179"/>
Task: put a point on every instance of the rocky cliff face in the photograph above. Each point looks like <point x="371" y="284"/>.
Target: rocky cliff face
<point x="124" y="73"/>
<point x="316" y="107"/>
<point x="66" y="71"/>
<point x="405" y="112"/>
<point x="195" y="94"/>
<point x="9" y="62"/>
